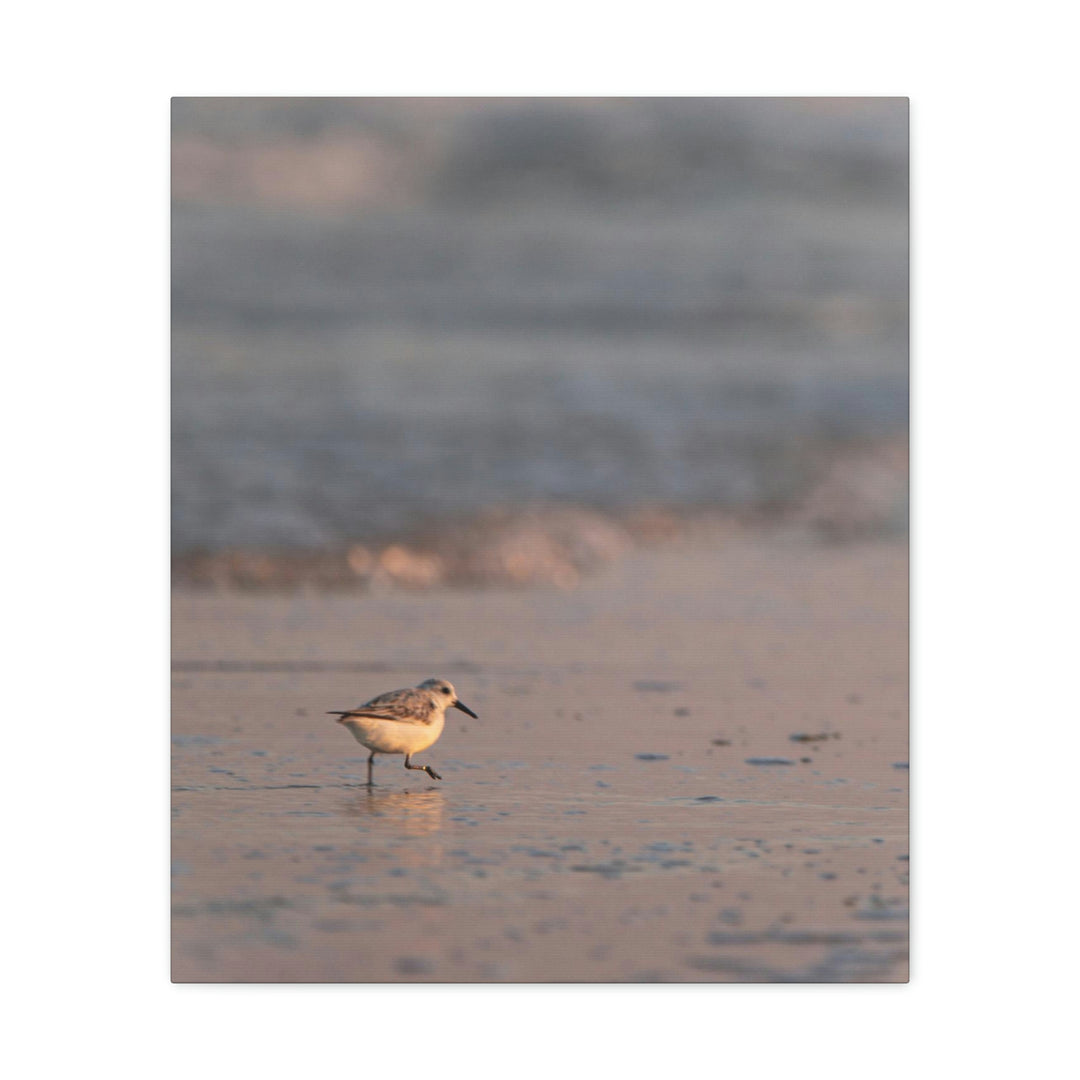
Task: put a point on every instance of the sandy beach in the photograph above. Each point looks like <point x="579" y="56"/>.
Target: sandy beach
<point x="691" y="767"/>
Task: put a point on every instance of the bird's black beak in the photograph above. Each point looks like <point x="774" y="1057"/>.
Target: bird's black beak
<point x="465" y="709"/>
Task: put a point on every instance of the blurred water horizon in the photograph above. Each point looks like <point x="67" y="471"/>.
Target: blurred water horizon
<point x="392" y="312"/>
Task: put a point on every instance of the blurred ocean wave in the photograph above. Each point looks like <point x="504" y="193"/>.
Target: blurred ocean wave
<point x="389" y="314"/>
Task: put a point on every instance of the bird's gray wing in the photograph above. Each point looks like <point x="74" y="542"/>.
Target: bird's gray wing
<point x="401" y="706"/>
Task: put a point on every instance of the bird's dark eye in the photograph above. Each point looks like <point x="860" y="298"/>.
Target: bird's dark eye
<point x="446" y="690"/>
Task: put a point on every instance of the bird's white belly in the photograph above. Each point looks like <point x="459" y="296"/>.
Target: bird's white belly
<point x="391" y="737"/>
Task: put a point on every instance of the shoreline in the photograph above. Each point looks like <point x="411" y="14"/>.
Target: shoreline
<point x="858" y="495"/>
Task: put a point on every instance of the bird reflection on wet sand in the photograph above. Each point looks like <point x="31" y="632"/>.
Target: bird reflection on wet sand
<point x="411" y="813"/>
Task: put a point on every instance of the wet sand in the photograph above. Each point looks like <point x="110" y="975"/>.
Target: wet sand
<point x="629" y="806"/>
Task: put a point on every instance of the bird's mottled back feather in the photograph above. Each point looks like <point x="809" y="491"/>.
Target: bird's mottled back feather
<point x="409" y="706"/>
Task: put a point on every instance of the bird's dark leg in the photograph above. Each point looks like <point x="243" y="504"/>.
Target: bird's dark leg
<point x="370" y="762"/>
<point x="424" y="768"/>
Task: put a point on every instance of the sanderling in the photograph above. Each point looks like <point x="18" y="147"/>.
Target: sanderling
<point x="402" y="721"/>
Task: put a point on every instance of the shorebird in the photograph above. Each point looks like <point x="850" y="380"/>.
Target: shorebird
<point x="402" y="721"/>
